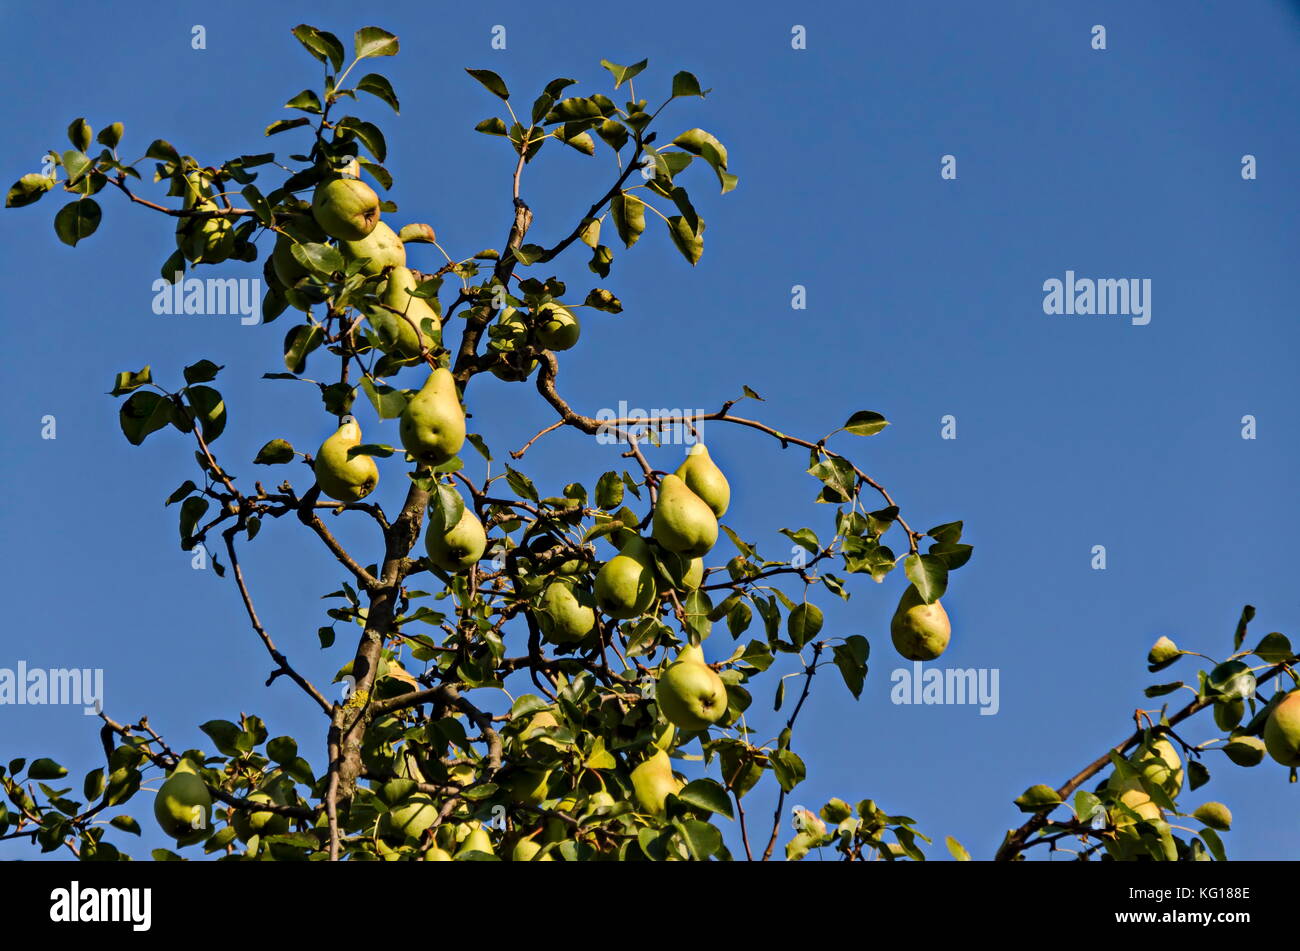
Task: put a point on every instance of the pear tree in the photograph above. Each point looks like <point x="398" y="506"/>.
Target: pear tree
<point x="631" y="625"/>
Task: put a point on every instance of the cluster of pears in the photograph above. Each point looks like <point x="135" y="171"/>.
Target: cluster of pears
<point x="691" y="500"/>
<point x="251" y="822"/>
<point x="203" y="240"/>
<point x="554" y="327"/>
<point x="919" y="631"/>
<point x="183" y="805"/>
<point x="1160" y="765"/>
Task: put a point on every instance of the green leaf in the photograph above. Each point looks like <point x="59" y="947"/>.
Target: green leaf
<point x="299" y="342"/>
<point x="126" y="824"/>
<point x="690" y="242"/>
<point x="491" y="82"/>
<point x="93" y="785"/>
<point x="126" y="381"/>
<point x="380" y="87"/>
<point x="77" y="220"/>
<point x="1275" y="648"/>
<point x="629" y="217"/>
<point x="28" y="190"/>
<point x="492" y="126"/>
<point x="186" y="488"/>
<point x="622" y="74"/>
<point x="45" y="768"/>
<point x="307" y="101"/>
<point x="274" y="453"/>
<point x="163" y="151"/>
<point x="1038" y="798"/>
<point x="201" y="372"/>
<point x="701" y="143"/>
<point x="372" y="41"/>
<point x="368" y="133"/>
<point x="192" y="509"/>
<point x="80" y="134"/>
<point x="324" y="46"/>
<point x="929" y="574"/>
<point x="702" y="839"/>
<point x="110" y="136"/>
<point x="224" y="735"/>
<point x="851" y="659"/>
<point x="788" y="769"/>
<point x="957" y="849"/>
<point x="707" y="794"/>
<point x="609" y="491"/>
<point x="685" y="84"/>
<point x="1247" y="615"/>
<point x="282" y="749"/>
<point x="209" y="409"/>
<point x="865" y="423"/>
<point x="144" y="413"/>
<point x="838" y="478"/>
<point x="284" y="125"/>
<point x="521" y="484"/>
<point x="803" y="623"/>
<point x="388" y="402"/>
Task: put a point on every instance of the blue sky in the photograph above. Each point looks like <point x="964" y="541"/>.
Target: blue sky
<point x="924" y="299"/>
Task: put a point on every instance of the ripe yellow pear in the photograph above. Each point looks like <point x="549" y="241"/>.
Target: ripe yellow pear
<point x="1160" y="766"/>
<point x="298" y="229"/>
<point x="920" y="631"/>
<point x="703" y="477"/>
<point x="183" y="805"/>
<point x="689" y="693"/>
<point x="432" y="427"/>
<point x="625" y="585"/>
<point x="683" y="522"/>
<point x="566" y="614"/>
<point x="653" y="781"/>
<point x="476" y="841"/>
<point x="393" y="322"/>
<point x="1132" y="795"/>
<point x="526" y="850"/>
<point x="1282" y="730"/>
<point x="435" y="854"/>
<point x="341" y="478"/>
<point x="458" y="548"/>
<point x="557" y="327"/>
<point x="380" y="249"/>
<point x="346" y="208"/>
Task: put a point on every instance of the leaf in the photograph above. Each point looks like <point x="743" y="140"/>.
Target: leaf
<point x="1232" y="680"/>
<point x="111" y="135"/>
<point x="1247" y="615"/>
<point x="388" y="402"/>
<point x="380" y="87"/>
<point x="702" y="839"/>
<point x="224" y="734"/>
<point x="521" y="484"/>
<point x="368" y="133"/>
<point x="803" y="623"/>
<point x="1275" y="648"/>
<point x="284" y="125"/>
<point x="865" y="423"/>
<point x="126" y="381"/>
<point x="28" y="190"/>
<point x="609" y="491"/>
<point x="622" y="74"/>
<point x="701" y="143"/>
<point x="492" y="126"/>
<point x="274" y="453"/>
<point x="372" y="41"/>
<point x="788" y="769"/>
<point x="45" y="768"/>
<point x="126" y="824"/>
<point x="201" y="372"/>
<point x="324" y="46"/>
<point x="192" y="509"/>
<point x="838" y="477"/>
<point x="851" y="659"/>
<point x="77" y="220"/>
<point x="186" y="488"/>
<point x="685" y="84"/>
<point x="209" y="409"/>
<point x="491" y="82"/>
<point x="1038" y="798"/>
<point x="957" y="849"/>
<point x="80" y="134"/>
<point x="144" y="413"/>
<point x="929" y="574"/>
<point x="163" y="151"/>
<point x="282" y="749"/>
<point x="629" y="217"/>
<point x="307" y="101"/>
<point x="690" y="242"/>
<point x="707" y="794"/>
<point x="299" y="342"/>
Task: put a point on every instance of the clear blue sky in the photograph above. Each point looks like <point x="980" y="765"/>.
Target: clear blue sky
<point x="924" y="299"/>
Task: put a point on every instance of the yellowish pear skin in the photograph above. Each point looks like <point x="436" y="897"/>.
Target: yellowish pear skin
<point x="683" y="522"/>
<point x="401" y="311"/>
<point x="381" y="248"/>
<point x="919" y="631"/>
<point x="345" y="208"/>
<point x="1282" y="731"/>
<point x="459" y="548"/>
<point x="557" y="327"/>
<point x="653" y="781"/>
<point x="625" y="585"/>
<point x="703" y="477"/>
<point x="691" y="696"/>
<point x="567" y="614"/>
<point x="341" y="478"/>
<point x="432" y="427"/>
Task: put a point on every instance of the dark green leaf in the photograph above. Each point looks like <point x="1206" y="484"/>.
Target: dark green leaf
<point x="77" y="220"/>
<point x="491" y="82"/>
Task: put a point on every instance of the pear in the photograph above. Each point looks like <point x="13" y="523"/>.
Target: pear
<point x="435" y="854"/>
<point x="525" y="850"/>
<point x="476" y="841"/>
<point x="694" y="574"/>
<point x="690" y="695"/>
<point x="705" y="479"/>
<point x="1132" y="795"/>
<point x="1282" y="730"/>
<point x="410" y="817"/>
<point x="341" y="478"/>
<point x="205" y="240"/>
<point x="380" y="249"/>
<point x="565" y="613"/>
<point x="433" y="424"/>
<point x="920" y="631"/>
<point x="459" y="548"/>
<point x="683" y="522"/>
<point x="304" y="229"/>
<point x="249" y="823"/>
<point x="510" y="334"/>
<point x="183" y="805"/>
<point x="625" y="585"/>
<point x="401" y="310"/>
<point x="557" y="327"/>
<point x="346" y="208"/>
<point x="530" y="788"/>
<point x="653" y="781"/>
<point x="1160" y="765"/>
<point x="1228" y="713"/>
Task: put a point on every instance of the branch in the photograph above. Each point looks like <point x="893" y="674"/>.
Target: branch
<point x="809" y="669"/>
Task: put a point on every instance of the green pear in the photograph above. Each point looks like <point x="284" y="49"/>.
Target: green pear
<point x="1132" y="795"/>
<point x="557" y="327"/>
<point x="249" y="823"/>
<point x="435" y="854"/>
<point x="477" y="841"/>
<point x="920" y="631"/>
<point x="205" y="240"/>
<point x="459" y="548"/>
<point x="341" y="478"/>
<point x="432" y="427"/>
<point x="686" y="573"/>
<point x="194" y="190"/>
<point x="299" y="229"/>
<point x="380" y="249"/>
<point x="346" y="208"/>
<point x="530" y="787"/>
<point x="625" y="585"/>
<point x="1160" y="765"/>
<point x="703" y="477"/>
<point x="689" y="693"/>
<point x="565" y="613"/>
<point x="1282" y="730"/>
<point x="653" y="781"/>
<point x="1228" y="713"/>
<point x="526" y="850"/>
<point x="509" y="334"/>
<point x="683" y="522"/>
<point x="394" y="321"/>
<point x="183" y="805"/>
<point x="410" y="817"/>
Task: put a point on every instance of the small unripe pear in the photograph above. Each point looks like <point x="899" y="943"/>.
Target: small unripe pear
<point x="248" y="822"/>
<point x="557" y="327"/>
<point x="1160" y="765"/>
<point x="396" y="321"/>
<point x="1282" y="730"/>
<point x="183" y="805"/>
<point x="919" y="631"/>
<point x="476" y="841"/>
<point x="526" y="850"/>
<point x="1228" y="713"/>
<point x="299" y="229"/>
<point x="346" y="208"/>
<point x="703" y="477"/>
<point x="341" y="478"/>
